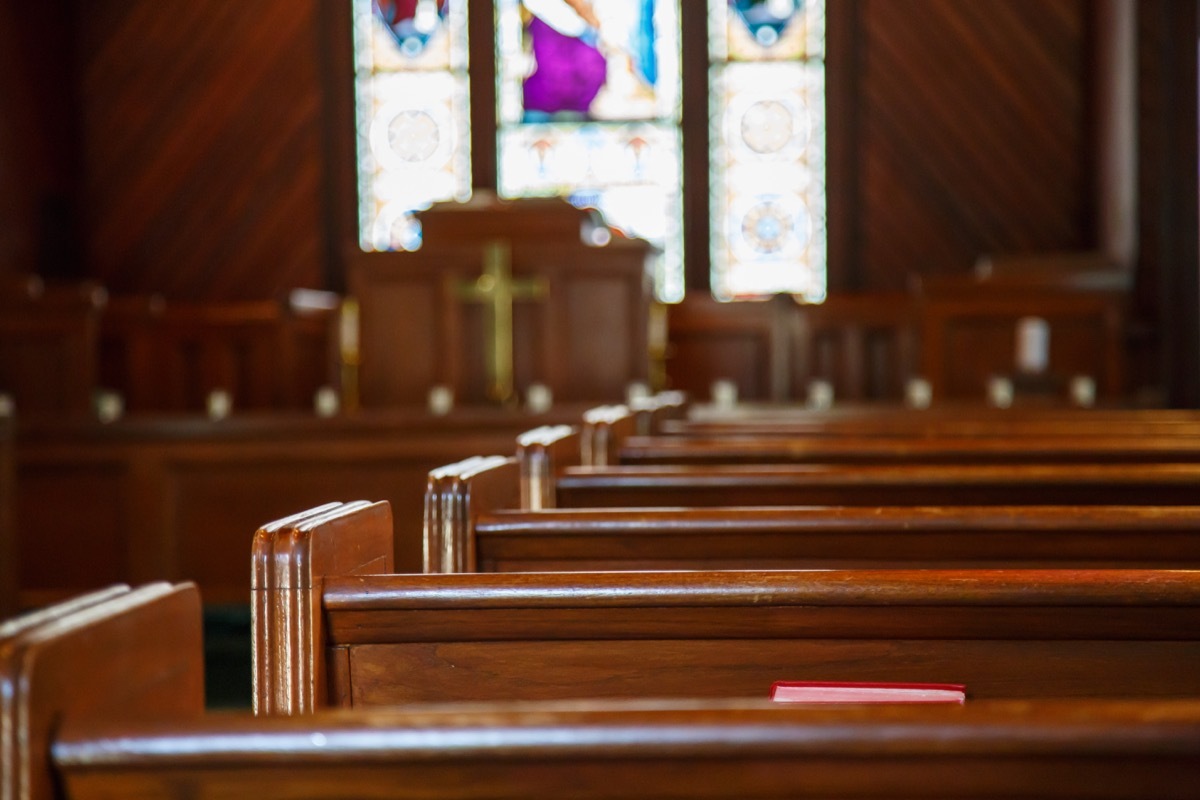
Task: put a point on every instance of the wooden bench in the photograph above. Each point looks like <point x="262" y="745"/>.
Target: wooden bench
<point x="85" y="729"/>
<point x="941" y="421"/>
<point x="331" y="630"/>
<point x="993" y="449"/>
<point x="478" y="520"/>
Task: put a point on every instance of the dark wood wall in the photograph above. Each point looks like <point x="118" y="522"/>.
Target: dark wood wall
<point x="972" y="133"/>
<point x="208" y="145"/>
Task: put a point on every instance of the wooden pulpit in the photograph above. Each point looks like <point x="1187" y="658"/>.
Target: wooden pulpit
<point x="502" y="296"/>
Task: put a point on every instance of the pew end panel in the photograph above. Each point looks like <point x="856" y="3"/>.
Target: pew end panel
<point x="604" y="430"/>
<point x="290" y="559"/>
<point x="541" y="452"/>
<point x="118" y="653"/>
<point x="456" y="495"/>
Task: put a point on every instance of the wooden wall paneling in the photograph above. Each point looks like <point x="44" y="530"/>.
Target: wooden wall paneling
<point x="708" y="340"/>
<point x="966" y="339"/>
<point x="179" y="499"/>
<point x="863" y="344"/>
<point x="49" y="348"/>
<point x="971" y="131"/>
<point x="202" y="146"/>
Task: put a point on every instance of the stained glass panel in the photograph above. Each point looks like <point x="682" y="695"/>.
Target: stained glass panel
<point x="413" y="114"/>
<point x="589" y="96"/>
<point x="767" y="106"/>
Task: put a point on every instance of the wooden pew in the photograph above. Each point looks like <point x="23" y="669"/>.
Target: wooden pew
<point x="384" y="639"/>
<point x="483" y="523"/>
<point x="994" y="449"/>
<point x="939" y="421"/>
<point x="83" y="731"/>
<point x="555" y="471"/>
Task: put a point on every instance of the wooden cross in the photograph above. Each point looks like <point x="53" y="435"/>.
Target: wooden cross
<point x="497" y="290"/>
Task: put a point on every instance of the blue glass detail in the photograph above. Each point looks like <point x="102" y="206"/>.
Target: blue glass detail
<point x="767" y="19"/>
<point x="412" y="23"/>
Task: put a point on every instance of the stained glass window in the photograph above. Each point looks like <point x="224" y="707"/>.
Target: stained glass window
<point x="589" y="107"/>
<point x="589" y="96"/>
<point x="414" y="145"/>
<point x="767" y="107"/>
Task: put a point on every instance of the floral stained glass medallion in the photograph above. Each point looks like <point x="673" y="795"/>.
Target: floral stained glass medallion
<point x="589" y="96"/>
<point x="767" y="112"/>
<point x="413" y="113"/>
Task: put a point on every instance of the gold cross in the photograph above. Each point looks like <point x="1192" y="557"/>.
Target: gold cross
<point x="497" y="290"/>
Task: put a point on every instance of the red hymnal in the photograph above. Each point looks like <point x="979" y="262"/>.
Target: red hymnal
<point x="838" y="692"/>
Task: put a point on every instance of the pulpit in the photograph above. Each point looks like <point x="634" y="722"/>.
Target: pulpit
<point x="503" y="296"/>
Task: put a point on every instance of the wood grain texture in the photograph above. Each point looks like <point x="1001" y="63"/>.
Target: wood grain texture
<point x="201" y="131"/>
<point x="876" y="484"/>
<point x="640" y="634"/>
<point x="622" y="750"/>
<point x="974" y="135"/>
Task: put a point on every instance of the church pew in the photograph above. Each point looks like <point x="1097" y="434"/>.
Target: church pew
<point x="364" y="638"/>
<point x="938" y="421"/>
<point x="878" y="485"/>
<point x="553" y="471"/>
<point x="992" y="449"/>
<point x="482" y="524"/>
<point x="105" y="705"/>
<point x="711" y="750"/>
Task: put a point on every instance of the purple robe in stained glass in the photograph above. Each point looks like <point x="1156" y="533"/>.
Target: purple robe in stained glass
<point x="569" y="71"/>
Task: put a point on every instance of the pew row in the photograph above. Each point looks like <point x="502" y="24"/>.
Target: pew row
<point x="477" y="520"/>
<point x="89" y="730"/>
<point x="556" y="473"/>
<point x="369" y="639"/>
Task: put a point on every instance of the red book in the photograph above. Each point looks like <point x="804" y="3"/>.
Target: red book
<point x="841" y="692"/>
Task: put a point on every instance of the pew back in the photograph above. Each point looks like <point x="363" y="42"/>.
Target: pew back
<point x="480" y="527"/>
<point x="105" y="701"/>
<point x="399" y="639"/>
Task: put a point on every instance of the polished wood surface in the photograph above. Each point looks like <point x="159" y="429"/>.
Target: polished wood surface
<point x="835" y="538"/>
<point x="847" y="449"/>
<point x="1003" y="633"/>
<point x="585" y="338"/>
<point x="176" y="497"/>
<point x="290" y="559"/>
<point x="135" y="653"/>
<point x="730" y="750"/>
<point x="479" y="518"/>
<point x="395" y="639"/>
<point x="101" y="701"/>
<point x="874" y="484"/>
